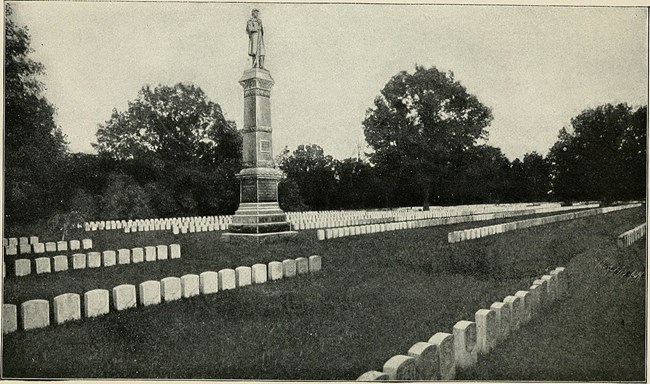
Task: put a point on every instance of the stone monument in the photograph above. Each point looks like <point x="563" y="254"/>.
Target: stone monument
<point x="259" y="216"/>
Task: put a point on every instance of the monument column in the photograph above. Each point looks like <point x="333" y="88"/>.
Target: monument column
<point x="259" y="215"/>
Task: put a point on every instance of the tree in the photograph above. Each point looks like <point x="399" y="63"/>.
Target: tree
<point x="313" y="172"/>
<point x="178" y="146"/>
<point x="176" y="124"/>
<point x="602" y="156"/>
<point x="357" y="184"/>
<point x="35" y="147"/>
<point x="124" y="199"/>
<point x="530" y="179"/>
<point x="420" y="123"/>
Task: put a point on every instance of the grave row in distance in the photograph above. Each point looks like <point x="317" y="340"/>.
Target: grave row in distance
<point x="311" y="219"/>
<point x="479" y="232"/>
<point x="333" y="219"/>
<point x="332" y="233"/>
<point x="166" y="224"/>
<point x="38" y="248"/>
<point x="67" y="307"/>
<point x="23" y="267"/>
<point x="438" y="358"/>
<point x="628" y="238"/>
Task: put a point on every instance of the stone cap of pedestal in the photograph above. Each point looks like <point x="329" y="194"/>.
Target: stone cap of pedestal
<point x="260" y="173"/>
<point x="257" y="74"/>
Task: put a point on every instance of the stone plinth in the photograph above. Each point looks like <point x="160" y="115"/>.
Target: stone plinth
<point x="259" y="217"/>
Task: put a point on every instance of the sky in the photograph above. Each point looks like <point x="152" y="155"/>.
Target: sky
<point x="536" y="67"/>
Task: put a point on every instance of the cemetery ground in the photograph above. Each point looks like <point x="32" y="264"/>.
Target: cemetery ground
<point x="377" y="295"/>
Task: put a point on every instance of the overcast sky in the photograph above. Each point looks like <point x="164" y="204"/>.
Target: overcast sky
<point x="536" y="67"/>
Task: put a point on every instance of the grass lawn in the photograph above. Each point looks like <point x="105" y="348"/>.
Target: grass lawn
<point x="377" y="295"/>
<point x="597" y="334"/>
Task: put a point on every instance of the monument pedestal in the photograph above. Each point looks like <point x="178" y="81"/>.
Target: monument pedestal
<point x="259" y="217"/>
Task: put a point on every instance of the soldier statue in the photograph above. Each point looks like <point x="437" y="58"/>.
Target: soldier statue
<point x="256" y="39"/>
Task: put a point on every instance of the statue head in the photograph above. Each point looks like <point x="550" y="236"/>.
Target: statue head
<point x="255" y="12"/>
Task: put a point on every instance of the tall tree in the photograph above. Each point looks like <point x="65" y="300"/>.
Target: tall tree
<point x="602" y="156"/>
<point x="35" y="147"/>
<point x="174" y="140"/>
<point x="420" y="123"/>
<point x="175" y="123"/>
<point x="313" y="172"/>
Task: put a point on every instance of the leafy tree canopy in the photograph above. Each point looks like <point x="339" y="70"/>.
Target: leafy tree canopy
<point x="421" y="122"/>
<point x="177" y="124"/>
<point x="602" y="155"/>
<point x="35" y="147"/>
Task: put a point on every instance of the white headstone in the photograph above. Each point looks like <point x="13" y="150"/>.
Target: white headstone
<point x="525" y="308"/>
<point x="24" y="248"/>
<point x="87" y="243"/>
<point x="427" y="364"/>
<point x="314" y="263"/>
<point x="123" y="256"/>
<point x="400" y="367"/>
<point x="60" y="263"/>
<point x="137" y="255"/>
<point x="258" y="272"/>
<point x="190" y="285"/>
<point x="208" y="282"/>
<point x="124" y="297"/>
<point x="517" y="314"/>
<point x="243" y="276"/>
<point x="11" y="250"/>
<point x="35" y="314"/>
<point x="149" y="293"/>
<point x="302" y="265"/>
<point x="175" y="251"/>
<point x="75" y="245"/>
<point x="9" y="318"/>
<point x="150" y="253"/>
<point x="50" y="246"/>
<point x="161" y="252"/>
<point x="503" y="313"/>
<point x="61" y="245"/>
<point x="288" y="268"/>
<point x="445" y="344"/>
<point x="39" y="248"/>
<point x="170" y="289"/>
<point x="487" y="330"/>
<point x="226" y="279"/>
<point x="23" y="240"/>
<point x="79" y="261"/>
<point x="23" y="267"/>
<point x="275" y="270"/>
<point x="94" y="259"/>
<point x="109" y="258"/>
<point x="43" y="265"/>
<point x="373" y="376"/>
<point x="465" y="350"/>
<point x="67" y="307"/>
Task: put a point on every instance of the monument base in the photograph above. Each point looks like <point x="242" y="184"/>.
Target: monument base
<point x="257" y="238"/>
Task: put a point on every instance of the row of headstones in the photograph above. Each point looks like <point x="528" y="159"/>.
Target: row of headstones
<point x="479" y="232"/>
<point x="333" y="233"/>
<point x="67" y="307"/>
<point x="434" y="212"/>
<point x="192" y="228"/>
<point x="630" y="237"/>
<point x="20" y="240"/>
<point x="154" y="224"/>
<point x="38" y="248"/>
<point x="23" y="267"/>
<point x="438" y="358"/>
<point x="442" y="219"/>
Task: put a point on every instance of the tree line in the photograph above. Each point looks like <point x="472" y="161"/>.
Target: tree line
<point x="173" y="153"/>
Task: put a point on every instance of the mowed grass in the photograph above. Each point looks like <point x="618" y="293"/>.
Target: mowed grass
<point x="376" y="296"/>
<point x="597" y="334"/>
